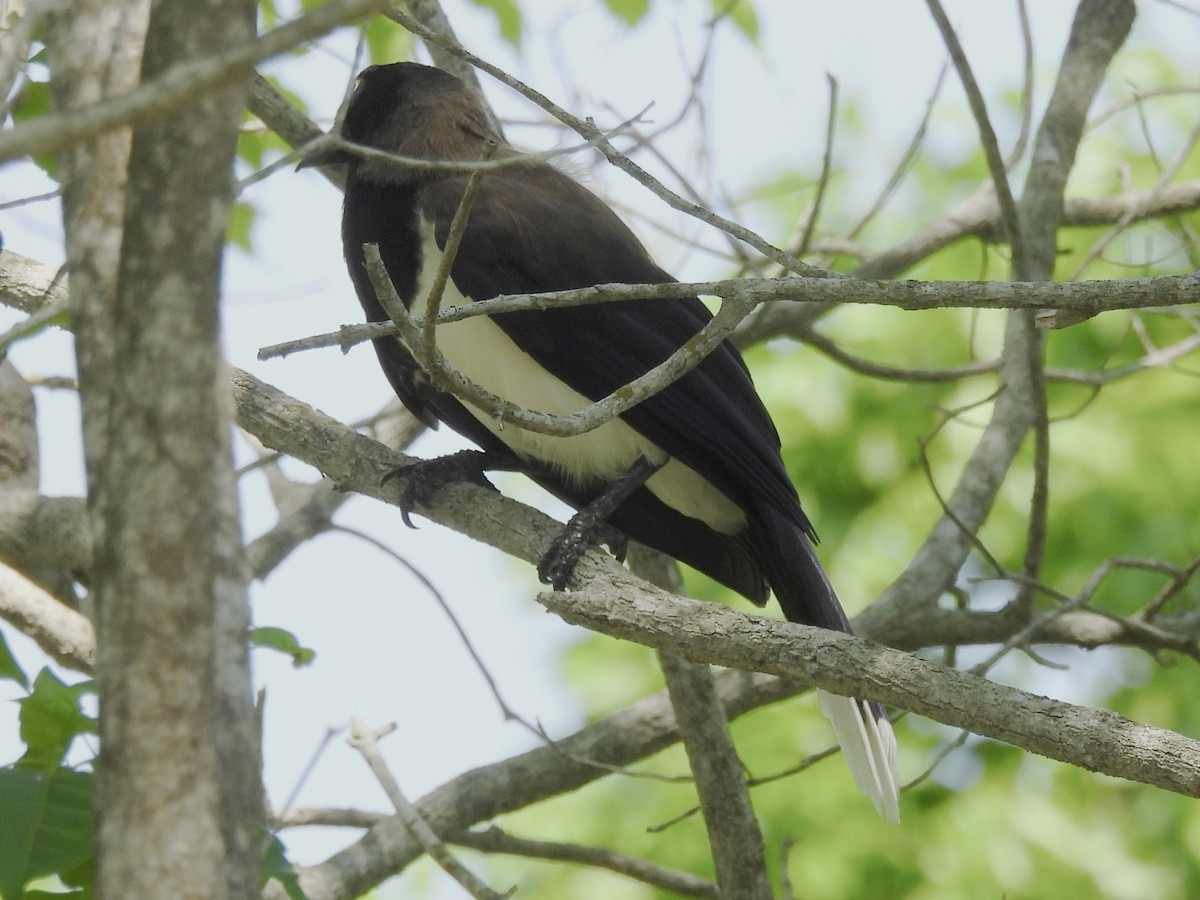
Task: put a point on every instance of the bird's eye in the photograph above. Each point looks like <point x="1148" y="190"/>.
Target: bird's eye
<point x="361" y="81"/>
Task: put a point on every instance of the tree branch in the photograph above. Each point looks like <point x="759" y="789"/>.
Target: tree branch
<point x="987" y="136"/>
<point x="1088" y="297"/>
<point x="366" y="741"/>
<point x="1095" y="739"/>
<point x="180" y="85"/>
<point x="733" y="833"/>
<point x="684" y="884"/>
<point x="66" y="636"/>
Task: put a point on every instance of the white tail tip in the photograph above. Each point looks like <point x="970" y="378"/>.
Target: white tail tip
<point x="869" y="745"/>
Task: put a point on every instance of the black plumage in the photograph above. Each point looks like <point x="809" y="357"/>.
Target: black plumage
<point x="721" y="500"/>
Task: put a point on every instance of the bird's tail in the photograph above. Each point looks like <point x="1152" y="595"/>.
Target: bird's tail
<point x="869" y="745"/>
<point x="806" y="596"/>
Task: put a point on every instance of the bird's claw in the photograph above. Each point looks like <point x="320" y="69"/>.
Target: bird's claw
<point x="583" y="532"/>
<point x="422" y="478"/>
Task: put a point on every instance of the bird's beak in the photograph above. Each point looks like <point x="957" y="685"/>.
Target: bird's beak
<point x="323" y="155"/>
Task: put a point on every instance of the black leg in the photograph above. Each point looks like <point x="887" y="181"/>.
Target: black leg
<point x="589" y="528"/>
<point x="425" y="476"/>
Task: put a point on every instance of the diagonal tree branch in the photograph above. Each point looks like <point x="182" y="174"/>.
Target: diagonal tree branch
<point x="1096" y="739"/>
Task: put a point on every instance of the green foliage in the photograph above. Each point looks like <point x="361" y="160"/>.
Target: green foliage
<point x="255" y="146"/>
<point x="51" y="718"/>
<point x="276" y="865"/>
<point x="33" y="102"/>
<point x="284" y="642"/>
<point x="10" y="669"/>
<point x="46" y="829"/>
<point x="741" y="13"/>
<point x="32" y="328"/>
<point x="508" y="18"/>
<point x="387" y="42"/>
<point x="241" y="221"/>
<point x="628" y="11"/>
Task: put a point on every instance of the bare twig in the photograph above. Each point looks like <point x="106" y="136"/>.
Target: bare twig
<point x="1088" y="297"/>
<point x="590" y="132"/>
<point x="987" y="135"/>
<point x="366" y="741"/>
<point x="905" y="163"/>
<point x="810" y="226"/>
<point x="301" y="816"/>
<point x="684" y="884"/>
<point x="1018" y="149"/>
<point x="458" y="227"/>
<point x="1186" y="153"/>
<point x="590" y="417"/>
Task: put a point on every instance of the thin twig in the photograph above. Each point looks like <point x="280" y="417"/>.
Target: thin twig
<point x="942" y="753"/>
<point x="625" y="397"/>
<point x="987" y="135"/>
<point x="366" y="741"/>
<point x="1087" y="297"/>
<point x="684" y="884"/>
<point x="458" y="228"/>
<point x="440" y="599"/>
<point x="1027" y="76"/>
<point x="810" y="226"/>
<point x="1185" y="154"/>
<point x="906" y="160"/>
<point x="1039" y="507"/>
<point x="589" y="131"/>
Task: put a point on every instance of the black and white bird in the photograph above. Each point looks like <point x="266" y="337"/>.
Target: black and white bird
<point x="694" y="471"/>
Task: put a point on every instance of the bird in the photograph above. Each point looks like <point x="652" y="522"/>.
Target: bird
<point x="695" y="471"/>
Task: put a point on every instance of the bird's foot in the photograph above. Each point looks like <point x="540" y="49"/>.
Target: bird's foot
<point x="425" y="476"/>
<point x="589" y="528"/>
<point x="585" y="531"/>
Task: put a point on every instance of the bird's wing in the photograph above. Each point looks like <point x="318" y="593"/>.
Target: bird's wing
<point x="532" y="229"/>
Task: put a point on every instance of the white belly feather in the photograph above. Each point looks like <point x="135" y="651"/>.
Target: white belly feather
<point x="480" y="349"/>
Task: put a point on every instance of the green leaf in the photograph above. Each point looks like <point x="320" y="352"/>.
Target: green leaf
<point x="268" y="16"/>
<point x="51" y="719"/>
<point x="387" y="42"/>
<point x="26" y="331"/>
<point x="285" y="642"/>
<point x="508" y="17"/>
<point x="9" y="668"/>
<point x="741" y="13"/>
<point x="628" y="11"/>
<point x="241" y="219"/>
<point x="47" y="826"/>
<point x="33" y="102"/>
<point x="276" y="865"/>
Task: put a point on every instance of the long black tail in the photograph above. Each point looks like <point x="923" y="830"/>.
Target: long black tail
<point x="806" y="596"/>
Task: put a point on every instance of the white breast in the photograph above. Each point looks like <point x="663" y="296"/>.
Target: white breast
<point x="480" y="349"/>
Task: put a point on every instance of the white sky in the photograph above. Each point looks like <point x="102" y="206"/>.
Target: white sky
<point x="384" y="649"/>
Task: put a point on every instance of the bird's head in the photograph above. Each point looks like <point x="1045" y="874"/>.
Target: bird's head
<point x="412" y="111"/>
